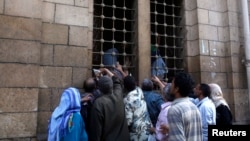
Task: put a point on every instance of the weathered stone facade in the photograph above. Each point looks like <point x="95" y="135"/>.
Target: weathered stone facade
<point x="214" y="41"/>
<point x="46" y="46"/>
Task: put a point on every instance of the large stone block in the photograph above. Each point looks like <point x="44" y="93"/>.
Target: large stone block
<point x="70" y="56"/>
<point x="234" y="48"/>
<point x="18" y="100"/>
<point x="82" y="3"/>
<point x="19" y="75"/>
<point x="90" y="40"/>
<point x="234" y="33"/>
<point x="191" y="17"/>
<point x="205" y="29"/>
<point x="192" y="48"/>
<point x="19" y="51"/>
<point x="33" y="139"/>
<point x="91" y="21"/>
<point x="213" y="5"/>
<point x="217" y="48"/>
<point x="196" y="76"/>
<point x="238" y="81"/>
<point x="203" y="16"/>
<point x="78" y="36"/>
<point x="233" y="19"/>
<point x="240" y="96"/>
<point x="224" y="64"/>
<point x="55" y="98"/>
<point x="47" y="54"/>
<point x="193" y="64"/>
<point x="211" y="64"/>
<point x="223" y="34"/>
<point x="44" y="100"/>
<point x="190" y="4"/>
<point x="228" y="95"/>
<point x="55" y="77"/>
<point x="215" y="77"/>
<point x="19" y="139"/>
<point x="79" y="75"/>
<point x="91" y="6"/>
<point x="237" y="64"/>
<point x="71" y="15"/>
<point x="192" y="32"/>
<point x="203" y="47"/>
<point x="218" y="18"/>
<point x="14" y="125"/>
<point x="1" y="6"/>
<point x="233" y="5"/>
<point x="20" y="28"/>
<point x="43" y="122"/>
<point x="67" y="2"/>
<point x="24" y="8"/>
<point x="242" y="112"/>
<point x="55" y="34"/>
<point x="48" y="12"/>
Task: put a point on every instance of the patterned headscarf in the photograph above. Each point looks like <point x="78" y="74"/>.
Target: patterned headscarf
<point x="217" y="95"/>
<point x="58" y="124"/>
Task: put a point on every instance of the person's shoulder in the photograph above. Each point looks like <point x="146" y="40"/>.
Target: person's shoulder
<point x="207" y="101"/>
<point x="155" y="93"/>
<point x="100" y="100"/>
<point x="77" y="116"/>
<point x="222" y="107"/>
<point x="151" y="93"/>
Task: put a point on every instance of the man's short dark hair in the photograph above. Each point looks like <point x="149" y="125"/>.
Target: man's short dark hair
<point x="89" y="85"/>
<point x="105" y="85"/>
<point x="184" y="82"/>
<point x="129" y="83"/>
<point x="205" y="90"/>
<point x="147" y="85"/>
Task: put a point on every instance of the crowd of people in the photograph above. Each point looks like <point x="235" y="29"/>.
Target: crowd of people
<point x="115" y="107"/>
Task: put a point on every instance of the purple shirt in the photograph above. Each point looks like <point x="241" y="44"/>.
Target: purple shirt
<point x="162" y="120"/>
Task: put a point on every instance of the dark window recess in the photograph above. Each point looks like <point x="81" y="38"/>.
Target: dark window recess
<point x="167" y="35"/>
<point x="113" y="34"/>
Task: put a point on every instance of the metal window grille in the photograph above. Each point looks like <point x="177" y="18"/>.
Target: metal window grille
<point x="113" y="29"/>
<point x="167" y="35"/>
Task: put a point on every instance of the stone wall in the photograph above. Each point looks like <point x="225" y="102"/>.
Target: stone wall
<point x="20" y="37"/>
<point x="45" y="46"/>
<point x="214" y="45"/>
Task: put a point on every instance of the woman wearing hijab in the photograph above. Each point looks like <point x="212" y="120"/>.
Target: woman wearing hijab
<point x="223" y="112"/>
<point x="66" y="123"/>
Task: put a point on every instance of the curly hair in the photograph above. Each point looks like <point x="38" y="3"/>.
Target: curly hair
<point x="129" y="83"/>
<point x="184" y="82"/>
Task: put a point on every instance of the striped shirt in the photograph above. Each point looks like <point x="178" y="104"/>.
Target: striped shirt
<point x="184" y="121"/>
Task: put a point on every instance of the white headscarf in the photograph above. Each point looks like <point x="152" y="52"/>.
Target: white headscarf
<point x="217" y="95"/>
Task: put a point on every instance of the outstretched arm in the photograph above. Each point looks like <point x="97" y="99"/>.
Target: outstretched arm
<point x="120" y="69"/>
<point x="158" y="82"/>
<point x="106" y="71"/>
